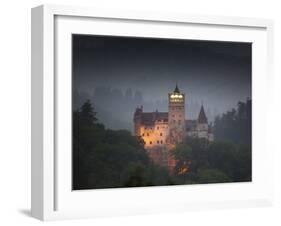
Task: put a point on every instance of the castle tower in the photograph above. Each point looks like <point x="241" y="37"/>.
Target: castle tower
<point x="176" y="116"/>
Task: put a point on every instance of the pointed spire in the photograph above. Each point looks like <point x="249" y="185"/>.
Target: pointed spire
<point x="202" y="116"/>
<point x="177" y="90"/>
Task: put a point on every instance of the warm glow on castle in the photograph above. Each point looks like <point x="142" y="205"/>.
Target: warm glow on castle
<point x="161" y="131"/>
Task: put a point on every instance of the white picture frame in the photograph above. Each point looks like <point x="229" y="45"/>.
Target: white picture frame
<point x="52" y="197"/>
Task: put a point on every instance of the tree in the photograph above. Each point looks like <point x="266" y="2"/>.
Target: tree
<point x="222" y="156"/>
<point x="183" y="156"/>
<point x="212" y="176"/>
<point x="87" y="115"/>
<point x="235" y="125"/>
<point x="199" y="148"/>
<point x="136" y="176"/>
<point x="191" y="156"/>
<point x="243" y="170"/>
<point x="104" y="158"/>
<point x="138" y="97"/>
<point x="200" y="161"/>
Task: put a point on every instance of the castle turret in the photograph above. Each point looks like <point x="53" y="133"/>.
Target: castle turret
<point x="202" y="119"/>
<point x="202" y="124"/>
<point x="176" y="116"/>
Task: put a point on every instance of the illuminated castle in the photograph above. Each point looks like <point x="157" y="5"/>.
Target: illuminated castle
<point x="161" y="131"/>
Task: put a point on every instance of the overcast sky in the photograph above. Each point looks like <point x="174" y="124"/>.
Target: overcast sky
<point x="215" y="73"/>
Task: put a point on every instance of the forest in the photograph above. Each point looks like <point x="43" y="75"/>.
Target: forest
<point x="106" y="158"/>
<point x="107" y="98"/>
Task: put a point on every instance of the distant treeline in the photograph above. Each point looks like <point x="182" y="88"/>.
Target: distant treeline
<point x="104" y="158"/>
<point x="116" y="107"/>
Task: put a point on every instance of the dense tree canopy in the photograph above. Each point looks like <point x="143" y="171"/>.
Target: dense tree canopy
<point x="199" y="161"/>
<point x="235" y="125"/>
<point x="104" y="158"/>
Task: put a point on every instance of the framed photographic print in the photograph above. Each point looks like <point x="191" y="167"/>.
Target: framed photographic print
<point x="137" y="112"/>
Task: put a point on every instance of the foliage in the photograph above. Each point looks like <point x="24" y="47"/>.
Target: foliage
<point x="212" y="176"/>
<point x="104" y="158"/>
<point x="210" y="162"/>
<point x="244" y="162"/>
<point x="222" y="156"/>
<point x="235" y="125"/>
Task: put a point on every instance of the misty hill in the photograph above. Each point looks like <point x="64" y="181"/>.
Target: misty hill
<point x="116" y="107"/>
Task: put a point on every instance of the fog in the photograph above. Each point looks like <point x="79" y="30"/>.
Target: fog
<point x="118" y="74"/>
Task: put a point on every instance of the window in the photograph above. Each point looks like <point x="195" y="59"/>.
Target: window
<point x="143" y="134"/>
<point x="147" y="134"/>
<point x="158" y="127"/>
<point x="150" y="142"/>
<point x="157" y="141"/>
<point x="161" y="141"/>
<point x="160" y="134"/>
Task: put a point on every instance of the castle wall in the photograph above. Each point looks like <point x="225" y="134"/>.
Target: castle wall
<point x="155" y="141"/>
<point x="202" y="126"/>
<point x="201" y="131"/>
<point x="155" y="135"/>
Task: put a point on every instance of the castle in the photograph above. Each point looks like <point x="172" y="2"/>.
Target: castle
<point x="161" y="131"/>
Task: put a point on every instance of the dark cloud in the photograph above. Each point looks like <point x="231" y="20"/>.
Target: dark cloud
<point x="217" y="73"/>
